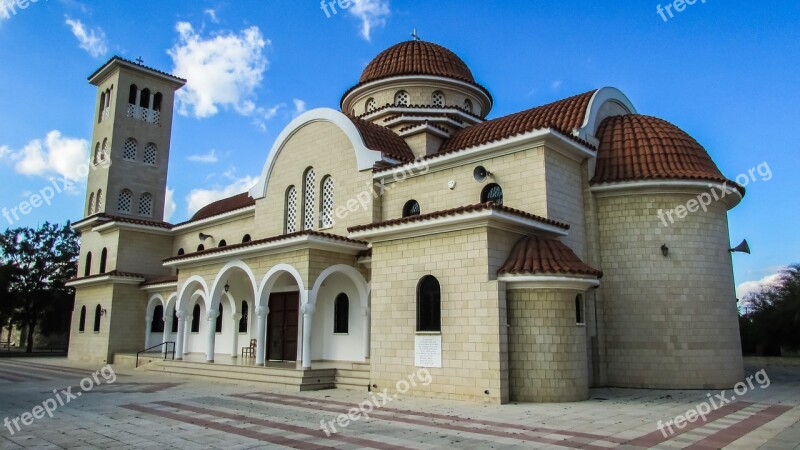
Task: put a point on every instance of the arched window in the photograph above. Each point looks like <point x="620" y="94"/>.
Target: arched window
<point x="223" y="243"/>
<point x="150" y="154"/>
<point x="219" y="320"/>
<point x="429" y="305"/>
<point x="411" y="208"/>
<point x="243" y="320"/>
<point x="468" y="105"/>
<point x="157" y="325"/>
<point x="102" y="107"/>
<point x="579" y="310"/>
<point x="327" y="202"/>
<point x="129" y="151"/>
<point x="437" y="99"/>
<point x="104" y="150"/>
<point x="96" y="157"/>
<point x="174" y="320"/>
<point x="401" y="98"/>
<point x="341" y="314"/>
<point x="99" y="201"/>
<point x="308" y="199"/>
<point x="371" y="106"/>
<point x="144" y="100"/>
<point x="82" y="321"/>
<point x="181" y="251"/>
<point x="91" y="204"/>
<point x="98" y="311"/>
<point x="146" y="204"/>
<point x="201" y="247"/>
<point x="87" y="267"/>
<point x="103" y="257"/>
<point x="132" y="94"/>
<point x="196" y="319"/>
<point x="124" y="201"/>
<point x="492" y="193"/>
<point x="157" y="101"/>
<point x="291" y="210"/>
<point x="246" y="238"/>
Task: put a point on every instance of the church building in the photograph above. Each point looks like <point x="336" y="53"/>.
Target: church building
<point x="520" y="258"/>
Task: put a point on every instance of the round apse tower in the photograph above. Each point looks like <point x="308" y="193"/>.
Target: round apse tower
<point x="668" y="294"/>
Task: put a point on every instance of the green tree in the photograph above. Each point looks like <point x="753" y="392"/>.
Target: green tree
<point x="43" y="260"/>
<point x="774" y="322"/>
<point x="7" y="299"/>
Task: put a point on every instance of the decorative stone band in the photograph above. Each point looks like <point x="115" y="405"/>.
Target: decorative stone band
<point x="113" y="277"/>
<point x="729" y="192"/>
<point x="567" y="282"/>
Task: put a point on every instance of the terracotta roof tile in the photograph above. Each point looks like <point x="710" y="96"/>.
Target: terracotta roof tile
<point x="223" y="206"/>
<point x="117" y="58"/>
<point x="457" y="211"/>
<point x="126" y="219"/>
<point x="113" y="273"/>
<point x="534" y="255"/>
<point x="636" y="147"/>
<point x="563" y="115"/>
<point x="383" y="140"/>
<point x="160" y="279"/>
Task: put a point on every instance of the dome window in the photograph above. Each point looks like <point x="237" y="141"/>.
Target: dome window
<point x="468" y="105"/>
<point x="411" y="208"/>
<point x="401" y="98"/>
<point x="492" y="193"/>
<point x="438" y="99"/>
<point x="371" y="105"/>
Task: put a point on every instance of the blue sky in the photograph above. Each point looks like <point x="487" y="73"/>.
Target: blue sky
<point x="726" y="72"/>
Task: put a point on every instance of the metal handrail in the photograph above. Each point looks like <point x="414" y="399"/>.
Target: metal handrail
<point x="166" y="351"/>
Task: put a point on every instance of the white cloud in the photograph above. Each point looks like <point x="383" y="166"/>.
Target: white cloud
<point x="208" y="158"/>
<point x="751" y="287"/>
<point x="556" y="84"/>
<point x="54" y="155"/>
<point x="299" y="106"/>
<point x="212" y="15"/>
<point x="5" y="10"/>
<point x="169" y="204"/>
<point x="222" y="70"/>
<point x="91" y="40"/>
<point x="371" y="13"/>
<point x="199" y="198"/>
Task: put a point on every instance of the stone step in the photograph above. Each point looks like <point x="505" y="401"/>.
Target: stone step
<point x="286" y="379"/>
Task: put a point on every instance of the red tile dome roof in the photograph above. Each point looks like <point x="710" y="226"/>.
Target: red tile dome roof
<point x="636" y="147"/>
<point x="537" y="256"/>
<point x="229" y="204"/>
<point x="416" y="58"/>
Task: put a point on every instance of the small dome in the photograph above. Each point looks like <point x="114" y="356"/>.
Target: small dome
<point x="229" y="204"/>
<point x="635" y="147"/>
<point x="416" y="58"/>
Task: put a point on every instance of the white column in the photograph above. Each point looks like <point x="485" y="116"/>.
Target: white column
<point x="180" y="340"/>
<point x="212" y="334"/>
<point x="366" y="332"/>
<point x="261" y="334"/>
<point x="149" y="322"/>
<point x="308" y="316"/>
<point x="138" y="97"/>
<point x="187" y="330"/>
<point x="167" y="328"/>
<point x="235" y="350"/>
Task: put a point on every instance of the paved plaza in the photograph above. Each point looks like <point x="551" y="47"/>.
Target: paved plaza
<point x="125" y="408"/>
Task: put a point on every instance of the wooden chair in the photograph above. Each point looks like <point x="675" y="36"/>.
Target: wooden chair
<point x="250" y="350"/>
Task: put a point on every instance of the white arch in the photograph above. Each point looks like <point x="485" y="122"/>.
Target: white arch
<point x="269" y="279"/>
<point x="153" y="302"/>
<point x="218" y="287"/>
<point x="171" y="303"/>
<point x="349" y="272"/>
<point x="182" y="296"/>
<point x="365" y="158"/>
<point x="606" y="102"/>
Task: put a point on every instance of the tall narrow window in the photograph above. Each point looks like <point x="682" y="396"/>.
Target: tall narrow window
<point x="196" y="319"/>
<point x="437" y="99"/>
<point x="129" y="151"/>
<point x="91" y="204"/>
<point x="124" y="202"/>
<point x="96" y="157"/>
<point x="411" y="208"/>
<point x="341" y="314"/>
<point x="243" y="319"/>
<point x="429" y="305"/>
<point x="99" y="201"/>
<point x="150" y="154"/>
<point x="146" y="204"/>
<point x="291" y="210"/>
<point x="327" y="202"/>
<point x="219" y="320"/>
<point x="144" y="100"/>
<point x="104" y="150"/>
<point x="102" y="107"/>
<point x="157" y="101"/>
<point x="174" y="320"/>
<point x="492" y="193"/>
<point x="308" y="199"/>
<point x="82" y="321"/>
<point x="579" y="310"/>
<point x="87" y="267"/>
<point x="132" y="94"/>
<point x="401" y="98"/>
<point x="157" y="325"/>
<point x="103" y="257"/>
<point x="98" y="311"/>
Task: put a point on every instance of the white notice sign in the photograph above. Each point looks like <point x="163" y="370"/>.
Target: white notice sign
<point x="428" y="351"/>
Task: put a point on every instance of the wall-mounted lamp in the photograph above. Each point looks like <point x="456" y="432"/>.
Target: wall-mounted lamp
<point x="741" y="248"/>
<point x="664" y="250"/>
<point x="204" y="236"/>
<point x="103" y="312"/>
<point x="227" y="286"/>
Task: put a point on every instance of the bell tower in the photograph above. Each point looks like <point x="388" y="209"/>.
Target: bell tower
<point x="129" y="156"/>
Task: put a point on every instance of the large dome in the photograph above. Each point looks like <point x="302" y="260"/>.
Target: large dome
<point x="416" y="58"/>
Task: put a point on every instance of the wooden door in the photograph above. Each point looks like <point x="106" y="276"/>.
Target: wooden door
<point x="282" y="326"/>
